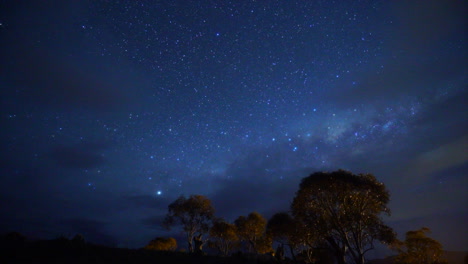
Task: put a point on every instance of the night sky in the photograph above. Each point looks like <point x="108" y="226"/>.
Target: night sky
<point x="110" y="110"/>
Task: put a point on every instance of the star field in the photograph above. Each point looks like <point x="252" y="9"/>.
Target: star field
<point x="110" y="110"/>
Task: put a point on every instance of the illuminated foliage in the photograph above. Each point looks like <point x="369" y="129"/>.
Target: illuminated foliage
<point x="418" y="248"/>
<point x="194" y="214"/>
<point x="162" y="244"/>
<point x="223" y="237"/>
<point x="263" y="244"/>
<point x="251" y="229"/>
<point x="344" y="209"/>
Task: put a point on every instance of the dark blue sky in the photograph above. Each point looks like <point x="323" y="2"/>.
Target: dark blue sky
<point x="112" y="109"/>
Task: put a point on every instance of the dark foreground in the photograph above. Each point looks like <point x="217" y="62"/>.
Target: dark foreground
<point x="66" y="251"/>
<point x="73" y="252"/>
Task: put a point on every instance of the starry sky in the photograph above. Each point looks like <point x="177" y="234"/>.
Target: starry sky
<point x="110" y="110"/>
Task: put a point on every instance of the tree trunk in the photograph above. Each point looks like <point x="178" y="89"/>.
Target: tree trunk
<point x="253" y="249"/>
<point x="338" y="251"/>
<point x="190" y="246"/>
<point x="359" y="257"/>
<point x="341" y="258"/>
<point x="342" y="255"/>
<point x="292" y="252"/>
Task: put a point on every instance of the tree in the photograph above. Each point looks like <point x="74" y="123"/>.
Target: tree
<point x="280" y="227"/>
<point x="263" y="245"/>
<point x="251" y="229"/>
<point x="194" y="214"/>
<point x="418" y="248"/>
<point x="301" y="241"/>
<point x="305" y="240"/>
<point x="345" y="209"/>
<point x="162" y="244"/>
<point x="223" y="237"/>
<point x="283" y="228"/>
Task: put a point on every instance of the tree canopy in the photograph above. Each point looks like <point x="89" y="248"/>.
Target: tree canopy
<point x="223" y="237"/>
<point x="194" y="214"/>
<point x="419" y="248"/>
<point x="162" y="244"/>
<point x="281" y="227"/>
<point x="346" y="210"/>
<point x="251" y="229"/>
<point x="335" y="213"/>
<point x="284" y="229"/>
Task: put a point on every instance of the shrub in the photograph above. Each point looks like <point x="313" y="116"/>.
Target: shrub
<point x="162" y="244"/>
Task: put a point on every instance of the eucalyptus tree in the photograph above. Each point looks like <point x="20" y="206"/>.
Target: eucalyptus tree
<point x="346" y="209"/>
<point x="194" y="214"/>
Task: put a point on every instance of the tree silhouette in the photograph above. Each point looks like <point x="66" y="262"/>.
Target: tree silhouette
<point x="78" y="241"/>
<point x="12" y="240"/>
<point x="418" y="248"/>
<point x="283" y="229"/>
<point x="290" y="232"/>
<point x="162" y="244"/>
<point x="223" y="237"/>
<point x="345" y="209"/>
<point x="251" y="229"/>
<point x="194" y="214"/>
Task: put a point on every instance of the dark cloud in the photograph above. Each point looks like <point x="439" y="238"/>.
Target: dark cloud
<point x="408" y="62"/>
<point x="50" y="80"/>
<point x="440" y="158"/>
<point x="444" y="120"/>
<point x="32" y="228"/>
<point x="156" y="205"/>
<point x="147" y="201"/>
<point x="454" y="172"/>
<point x="51" y="74"/>
<point x="41" y="214"/>
<point x="437" y="137"/>
<point x="402" y="77"/>
<point x="239" y="197"/>
<point x="420" y="25"/>
<point x="81" y="156"/>
<point x="260" y="181"/>
<point x="154" y="223"/>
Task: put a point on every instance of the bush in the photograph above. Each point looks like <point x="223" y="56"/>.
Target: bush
<point x="162" y="244"/>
